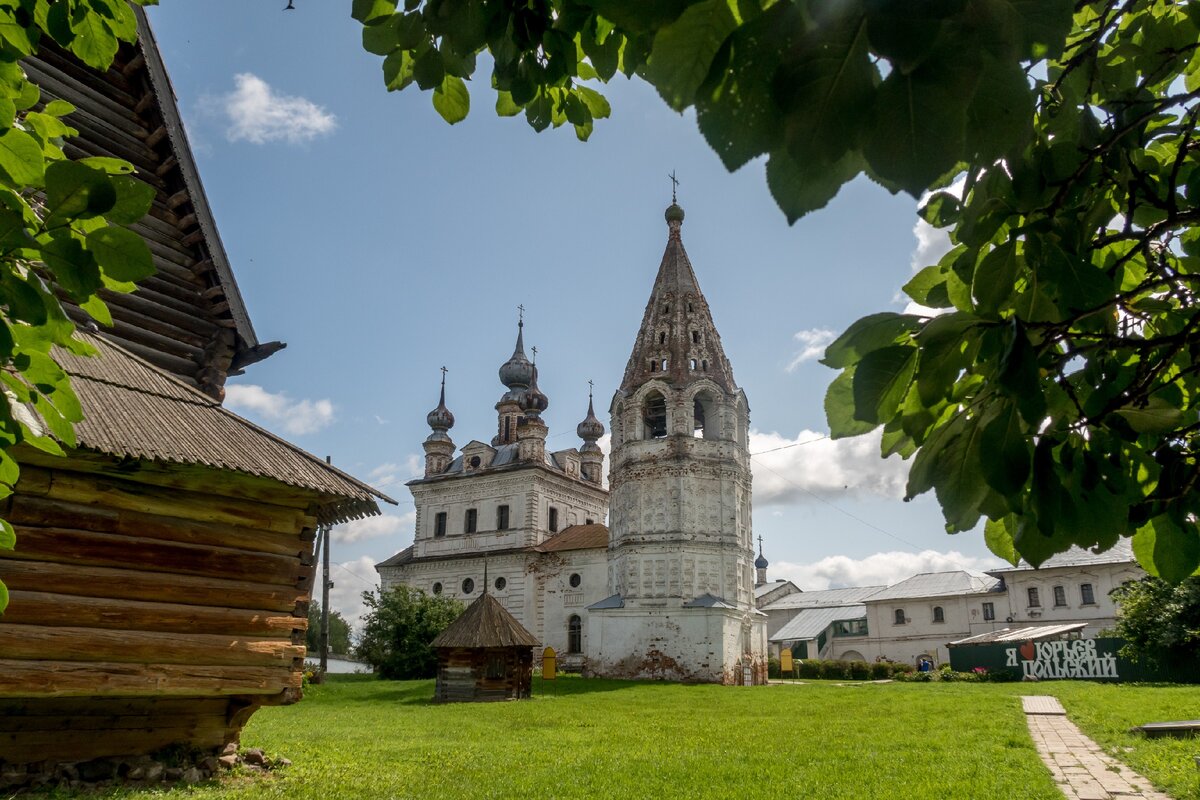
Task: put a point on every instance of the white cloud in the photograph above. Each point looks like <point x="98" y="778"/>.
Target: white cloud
<point x="816" y="464"/>
<point x="392" y="474"/>
<point x="879" y="569"/>
<point x="258" y="114"/>
<point x="296" y="416"/>
<point x="375" y="527"/>
<point x="813" y="343"/>
<point x="350" y="580"/>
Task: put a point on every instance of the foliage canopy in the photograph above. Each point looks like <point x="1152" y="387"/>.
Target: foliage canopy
<point x="398" y="628"/>
<point x="1160" y="622"/>
<point x="339" y="630"/>
<point x="1049" y="378"/>
<point x="63" y="226"/>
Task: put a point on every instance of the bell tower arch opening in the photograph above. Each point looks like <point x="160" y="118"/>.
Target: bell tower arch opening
<point x="654" y="416"/>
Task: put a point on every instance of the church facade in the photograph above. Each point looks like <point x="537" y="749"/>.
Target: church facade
<point x="666" y="589"/>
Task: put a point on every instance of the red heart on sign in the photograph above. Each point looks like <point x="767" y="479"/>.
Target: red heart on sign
<point x="1027" y="651"/>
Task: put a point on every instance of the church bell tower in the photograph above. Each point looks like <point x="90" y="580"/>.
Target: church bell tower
<point x="680" y="556"/>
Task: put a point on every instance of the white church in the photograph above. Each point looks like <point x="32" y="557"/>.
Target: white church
<point x="666" y="588"/>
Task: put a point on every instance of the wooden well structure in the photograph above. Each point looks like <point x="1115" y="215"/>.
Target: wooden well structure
<point x="484" y="655"/>
<point x="162" y="574"/>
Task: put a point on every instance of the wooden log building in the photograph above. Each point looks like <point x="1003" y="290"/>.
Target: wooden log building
<point x="163" y="569"/>
<point x="485" y="654"/>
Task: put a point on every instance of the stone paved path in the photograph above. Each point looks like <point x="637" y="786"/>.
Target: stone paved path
<point x="1082" y="770"/>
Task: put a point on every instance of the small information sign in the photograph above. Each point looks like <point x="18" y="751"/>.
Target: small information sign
<point x="786" y="665"/>
<point x="549" y="664"/>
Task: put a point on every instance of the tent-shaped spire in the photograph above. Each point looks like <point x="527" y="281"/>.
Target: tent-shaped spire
<point x="485" y="623"/>
<point x="678" y="341"/>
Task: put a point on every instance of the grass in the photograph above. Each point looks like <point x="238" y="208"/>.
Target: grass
<point x="357" y="737"/>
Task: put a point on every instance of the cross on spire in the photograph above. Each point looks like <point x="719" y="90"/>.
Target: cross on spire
<point x="521" y="314"/>
<point x="674" y="185"/>
<point x="590" y="385"/>
<point x="444" y="371"/>
<point x="760" y="545"/>
<point x="534" y="351"/>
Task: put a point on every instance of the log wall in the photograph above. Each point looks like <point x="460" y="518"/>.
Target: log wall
<point x="463" y="674"/>
<point x="143" y="615"/>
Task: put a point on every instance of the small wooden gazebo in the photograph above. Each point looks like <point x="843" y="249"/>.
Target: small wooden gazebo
<point x="485" y="654"/>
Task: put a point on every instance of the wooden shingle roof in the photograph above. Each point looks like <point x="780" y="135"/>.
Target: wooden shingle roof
<point x="576" y="537"/>
<point x="133" y="409"/>
<point x="486" y="623"/>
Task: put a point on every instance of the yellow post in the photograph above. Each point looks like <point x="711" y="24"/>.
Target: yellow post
<point x="786" y="664"/>
<point x="549" y="662"/>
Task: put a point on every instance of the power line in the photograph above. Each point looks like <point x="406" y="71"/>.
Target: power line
<point x="793" y="444"/>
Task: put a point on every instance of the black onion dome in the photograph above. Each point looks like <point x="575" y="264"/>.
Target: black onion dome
<point x="517" y="372"/>
<point x="761" y="562"/>
<point x="591" y="428"/>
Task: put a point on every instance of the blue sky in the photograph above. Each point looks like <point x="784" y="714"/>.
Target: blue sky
<point x="381" y="244"/>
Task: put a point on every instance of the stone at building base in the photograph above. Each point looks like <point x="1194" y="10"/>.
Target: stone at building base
<point x="692" y="645"/>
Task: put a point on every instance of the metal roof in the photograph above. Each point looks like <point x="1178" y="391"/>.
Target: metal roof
<point x="135" y="410"/>
<point x="708" y="600"/>
<point x="825" y="597"/>
<point x="576" y="537"/>
<point x="1030" y="633"/>
<point x="612" y="601"/>
<point x="767" y="588"/>
<point x="938" y="584"/>
<point x="1120" y="553"/>
<point x="809" y="622"/>
<point x="485" y="623"/>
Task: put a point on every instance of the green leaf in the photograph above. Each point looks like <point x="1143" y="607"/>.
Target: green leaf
<point x="74" y="191"/>
<point x="1157" y="416"/>
<point x="452" y="100"/>
<point x="134" y="199"/>
<point x="428" y="70"/>
<point x="596" y="103"/>
<point x="919" y="125"/>
<point x="735" y="107"/>
<point x="94" y="42"/>
<point x="1043" y="26"/>
<point x="370" y="12"/>
<point x="1000" y="115"/>
<point x="825" y="84"/>
<point x="121" y="253"/>
<point x="999" y="539"/>
<point x="111" y="166"/>
<point x="1166" y="549"/>
<point x="382" y="38"/>
<point x="1006" y="464"/>
<point x="21" y="159"/>
<point x="98" y="310"/>
<point x="397" y="70"/>
<point x="1018" y="375"/>
<point x="74" y="268"/>
<point x="801" y="187"/>
<point x="928" y="287"/>
<point x="839" y="408"/>
<point x="995" y="278"/>
<point x="881" y="380"/>
<point x="684" y="50"/>
<point x="58" y="108"/>
<point x="959" y="483"/>
<point x="872" y="332"/>
<point x="946" y="344"/>
<point x="505" y="107"/>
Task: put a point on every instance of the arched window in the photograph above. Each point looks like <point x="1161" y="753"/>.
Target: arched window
<point x="574" y="634"/>
<point x="695" y="337"/>
<point x="655" y="416"/>
<point x="654" y="365"/>
<point x="704" y="417"/>
<point x="664" y="365"/>
<point x="938" y="614"/>
<point x="692" y="365"/>
<point x="704" y="365"/>
<point x="662" y="337"/>
<point x="899" y="616"/>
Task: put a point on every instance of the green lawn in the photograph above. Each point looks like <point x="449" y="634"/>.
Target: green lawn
<point x="357" y="737"/>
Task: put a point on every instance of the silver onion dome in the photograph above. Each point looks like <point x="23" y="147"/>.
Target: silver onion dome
<point x="591" y="428"/>
<point x="517" y="372"/>
<point x="440" y="419"/>
<point x="534" y="402"/>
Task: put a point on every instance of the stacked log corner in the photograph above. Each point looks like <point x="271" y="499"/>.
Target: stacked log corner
<point x="144" y="614"/>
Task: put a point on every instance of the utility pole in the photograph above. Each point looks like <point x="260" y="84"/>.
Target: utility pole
<point x="325" y="587"/>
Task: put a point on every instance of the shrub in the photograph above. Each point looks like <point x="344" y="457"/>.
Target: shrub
<point x="899" y="670"/>
<point x="809" y="668"/>
<point x="860" y="670"/>
<point x="398" y="628"/>
<point x="835" y="670"/>
<point x="773" y="668"/>
<point x="881" y="670"/>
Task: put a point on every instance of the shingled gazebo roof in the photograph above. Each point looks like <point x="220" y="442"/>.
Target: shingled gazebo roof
<point x="486" y="623"/>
